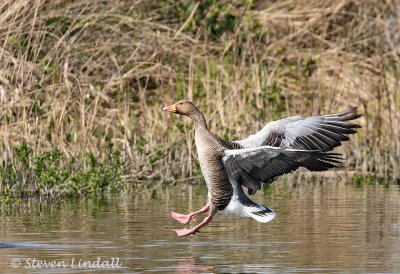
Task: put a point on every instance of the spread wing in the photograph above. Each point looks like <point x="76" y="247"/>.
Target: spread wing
<point x="256" y="167"/>
<point x="306" y="133"/>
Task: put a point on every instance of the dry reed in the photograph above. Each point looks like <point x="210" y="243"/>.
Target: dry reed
<point x="86" y="76"/>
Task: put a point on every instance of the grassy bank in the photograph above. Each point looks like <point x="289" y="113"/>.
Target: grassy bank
<point x="85" y="81"/>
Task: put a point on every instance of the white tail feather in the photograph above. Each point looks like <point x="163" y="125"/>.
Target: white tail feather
<point x="259" y="213"/>
<point x="256" y="211"/>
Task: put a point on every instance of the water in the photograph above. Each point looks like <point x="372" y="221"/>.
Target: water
<point x="328" y="228"/>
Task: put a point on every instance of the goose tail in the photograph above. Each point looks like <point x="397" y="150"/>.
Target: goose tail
<point x="259" y="213"/>
<point x="241" y="205"/>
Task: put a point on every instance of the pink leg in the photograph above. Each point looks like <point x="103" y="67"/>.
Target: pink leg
<point x="189" y="231"/>
<point x="185" y="219"/>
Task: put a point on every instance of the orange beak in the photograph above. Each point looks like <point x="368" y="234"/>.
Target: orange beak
<point x="171" y="108"/>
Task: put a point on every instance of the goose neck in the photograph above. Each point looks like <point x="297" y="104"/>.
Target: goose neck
<point x="199" y="120"/>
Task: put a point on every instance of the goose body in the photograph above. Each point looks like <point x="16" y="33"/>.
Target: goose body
<point x="224" y="194"/>
<point x="210" y="153"/>
<point x="280" y="147"/>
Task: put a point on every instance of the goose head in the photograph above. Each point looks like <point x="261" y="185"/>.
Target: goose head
<point x="187" y="108"/>
<point x="183" y="107"/>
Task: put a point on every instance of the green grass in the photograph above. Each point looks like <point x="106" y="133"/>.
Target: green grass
<point x="51" y="173"/>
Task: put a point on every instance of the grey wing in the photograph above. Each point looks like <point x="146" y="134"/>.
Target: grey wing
<point x="256" y="167"/>
<point x="306" y="133"/>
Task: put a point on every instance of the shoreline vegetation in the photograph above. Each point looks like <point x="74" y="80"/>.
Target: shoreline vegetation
<point x="82" y="85"/>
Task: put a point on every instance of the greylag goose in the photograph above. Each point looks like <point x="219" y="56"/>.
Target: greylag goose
<point x="280" y="147"/>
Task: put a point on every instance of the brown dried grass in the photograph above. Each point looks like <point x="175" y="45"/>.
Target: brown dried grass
<point x="99" y="79"/>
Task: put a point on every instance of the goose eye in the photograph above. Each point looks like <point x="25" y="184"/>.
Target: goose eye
<point x="181" y="103"/>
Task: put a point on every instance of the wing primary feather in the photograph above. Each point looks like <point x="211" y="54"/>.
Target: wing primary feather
<point x="338" y="135"/>
<point x="328" y="140"/>
<point x="318" y="141"/>
<point x="316" y="146"/>
<point x="305" y="145"/>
